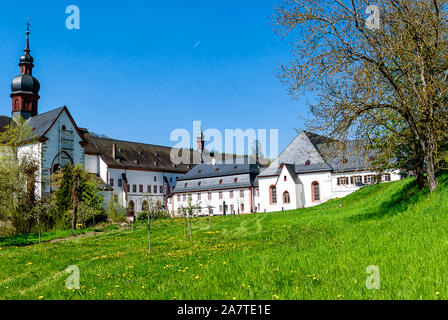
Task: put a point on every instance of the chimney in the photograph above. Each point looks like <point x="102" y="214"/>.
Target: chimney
<point x="114" y="151"/>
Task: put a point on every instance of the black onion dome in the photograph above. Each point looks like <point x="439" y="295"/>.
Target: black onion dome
<point x="25" y="83"/>
<point x="26" y="58"/>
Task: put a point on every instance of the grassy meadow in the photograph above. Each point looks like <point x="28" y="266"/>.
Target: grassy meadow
<point x="315" y="253"/>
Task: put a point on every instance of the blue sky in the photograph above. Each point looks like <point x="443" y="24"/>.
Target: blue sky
<point x="137" y="70"/>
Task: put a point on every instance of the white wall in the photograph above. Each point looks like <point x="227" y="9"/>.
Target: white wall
<point x="51" y="148"/>
<point x="216" y="202"/>
<point x="34" y="151"/>
<point x="137" y="178"/>
<point x="328" y="187"/>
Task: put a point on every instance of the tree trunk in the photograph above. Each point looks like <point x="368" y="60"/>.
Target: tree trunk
<point x="75" y="203"/>
<point x="191" y="234"/>
<point x="185" y="227"/>
<point x="149" y="233"/>
<point x="431" y="172"/>
<point x="419" y="160"/>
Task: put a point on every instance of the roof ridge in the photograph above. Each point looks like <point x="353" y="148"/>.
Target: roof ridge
<point x="127" y="141"/>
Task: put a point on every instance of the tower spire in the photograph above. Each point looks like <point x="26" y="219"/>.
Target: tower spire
<point x="27" y="47"/>
<point x="25" y="88"/>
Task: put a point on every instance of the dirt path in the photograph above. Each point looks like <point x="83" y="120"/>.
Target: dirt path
<point x="89" y="234"/>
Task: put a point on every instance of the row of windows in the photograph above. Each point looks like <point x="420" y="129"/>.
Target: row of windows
<point x="209" y="195"/>
<point x="286" y="197"/>
<point x="149" y="189"/>
<point x="366" y="179"/>
<point x="120" y="181"/>
<point x="199" y="183"/>
<point x="232" y="208"/>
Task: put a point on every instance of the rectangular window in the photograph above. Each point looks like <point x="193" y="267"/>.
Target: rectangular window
<point x="111" y="182"/>
<point x="155" y="189"/>
<point x="120" y="183"/>
<point x="199" y="197"/>
<point x="242" y="207"/>
<point x="257" y="192"/>
<point x="220" y="195"/>
<point x="184" y="196"/>
<point x="242" y="194"/>
<point x="140" y="188"/>
<point x="148" y="188"/>
<point x="178" y="197"/>
<point x="155" y="178"/>
<point x="115" y="198"/>
<point x="161" y="189"/>
<point x="231" y="194"/>
<point x="209" y="196"/>
<point x="134" y="188"/>
<point x="128" y="188"/>
<point x="232" y="208"/>
<point x="220" y="208"/>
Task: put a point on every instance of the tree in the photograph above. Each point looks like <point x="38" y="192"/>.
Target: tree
<point x="372" y="81"/>
<point x="75" y="185"/>
<point x="18" y="176"/>
<point x="153" y="210"/>
<point x="188" y="212"/>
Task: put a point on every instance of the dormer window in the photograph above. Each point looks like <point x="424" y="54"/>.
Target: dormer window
<point x="216" y="169"/>
<point x="234" y="168"/>
<point x="64" y="128"/>
<point x="235" y="180"/>
<point x="220" y="181"/>
<point x="199" y="171"/>
<point x="344" y="161"/>
<point x="186" y="185"/>
<point x="307" y="163"/>
<point x="199" y="184"/>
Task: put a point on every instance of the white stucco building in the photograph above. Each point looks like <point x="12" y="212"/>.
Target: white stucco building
<point x="308" y="173"/>
<point x="305" y="174"/>
<point x="219" y="188"/>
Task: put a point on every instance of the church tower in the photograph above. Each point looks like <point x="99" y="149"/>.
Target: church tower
<point x="25" y="88"/>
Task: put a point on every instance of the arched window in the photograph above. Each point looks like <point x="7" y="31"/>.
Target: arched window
<point x="56" y="167"/>
<point x="315" y="191"/>
<point x="131" y="208"/>
<point x="286" y="197"/>
<point x="273" y="195"/>
<point x="145" y="207"/>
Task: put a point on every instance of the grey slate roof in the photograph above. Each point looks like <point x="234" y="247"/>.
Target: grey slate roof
<point x="207" y="177"/>
<point x="205" y="170"/>
<point x="4" y="121"/>
<point x="42" y="122"/>
<point x="298" y="153"/>
<point x="310" y="152"/>
<point x="347" y="157"/>
<point x="134" y="155"/>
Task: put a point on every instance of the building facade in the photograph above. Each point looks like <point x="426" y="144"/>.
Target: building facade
<point x="218" y="188"/>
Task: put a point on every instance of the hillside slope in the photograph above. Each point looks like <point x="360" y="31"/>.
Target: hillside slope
<point x="316" y="253"/>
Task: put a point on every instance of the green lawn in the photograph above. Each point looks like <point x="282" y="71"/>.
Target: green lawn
<point x="317" y="253"/>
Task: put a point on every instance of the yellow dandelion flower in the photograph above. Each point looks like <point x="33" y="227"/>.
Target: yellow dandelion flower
<point x="41" y="297"/>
